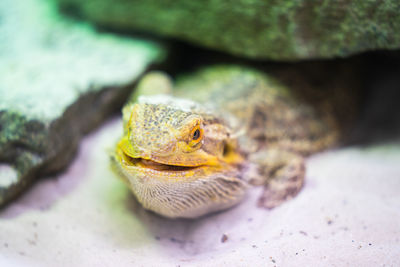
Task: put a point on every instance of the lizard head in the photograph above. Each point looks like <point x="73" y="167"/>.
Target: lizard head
<point x="179" y="158"/>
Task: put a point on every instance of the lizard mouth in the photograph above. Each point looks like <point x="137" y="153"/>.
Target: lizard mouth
<point x="200" y="160"/>
<point x="151" y="164"/>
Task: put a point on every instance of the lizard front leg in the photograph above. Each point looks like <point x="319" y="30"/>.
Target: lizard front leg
<point x="282" y="174"/>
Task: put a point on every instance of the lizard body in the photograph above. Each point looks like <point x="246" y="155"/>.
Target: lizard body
<point x="199" y="150"/>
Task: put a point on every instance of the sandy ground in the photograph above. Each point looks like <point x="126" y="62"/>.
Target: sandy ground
<point x="348" y="214"/>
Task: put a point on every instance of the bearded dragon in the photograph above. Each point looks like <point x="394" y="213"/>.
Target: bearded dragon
<point x="197" y="147"/>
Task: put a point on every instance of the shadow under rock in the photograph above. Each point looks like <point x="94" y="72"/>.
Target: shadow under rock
<point x="380" y="112"/>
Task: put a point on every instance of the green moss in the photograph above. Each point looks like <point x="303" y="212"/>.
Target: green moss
<point x="281" y="30"/>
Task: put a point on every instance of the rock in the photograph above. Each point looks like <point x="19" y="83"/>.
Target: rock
<point x="58" y="80"/>
<point x="279" y="30"/>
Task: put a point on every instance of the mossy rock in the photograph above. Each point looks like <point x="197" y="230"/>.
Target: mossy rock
<point x="258" y="29"/>
<point x="58" y="80"/>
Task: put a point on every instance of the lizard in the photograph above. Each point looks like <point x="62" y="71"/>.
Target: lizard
<point x="198" y="146"/>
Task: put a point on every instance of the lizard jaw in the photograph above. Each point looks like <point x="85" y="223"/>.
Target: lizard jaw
<point x="151" y="165"/>
<point x="181" y="191"/>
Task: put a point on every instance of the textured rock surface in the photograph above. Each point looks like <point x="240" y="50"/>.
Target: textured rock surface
<point x="282" y="30"/>
<point x="58" y="80"/>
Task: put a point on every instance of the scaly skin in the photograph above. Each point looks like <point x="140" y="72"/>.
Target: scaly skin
<point x="171" y="172"/>
<point x="184" y="159"/>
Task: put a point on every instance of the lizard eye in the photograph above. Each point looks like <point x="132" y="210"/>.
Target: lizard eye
<point x="196" y="135"/>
